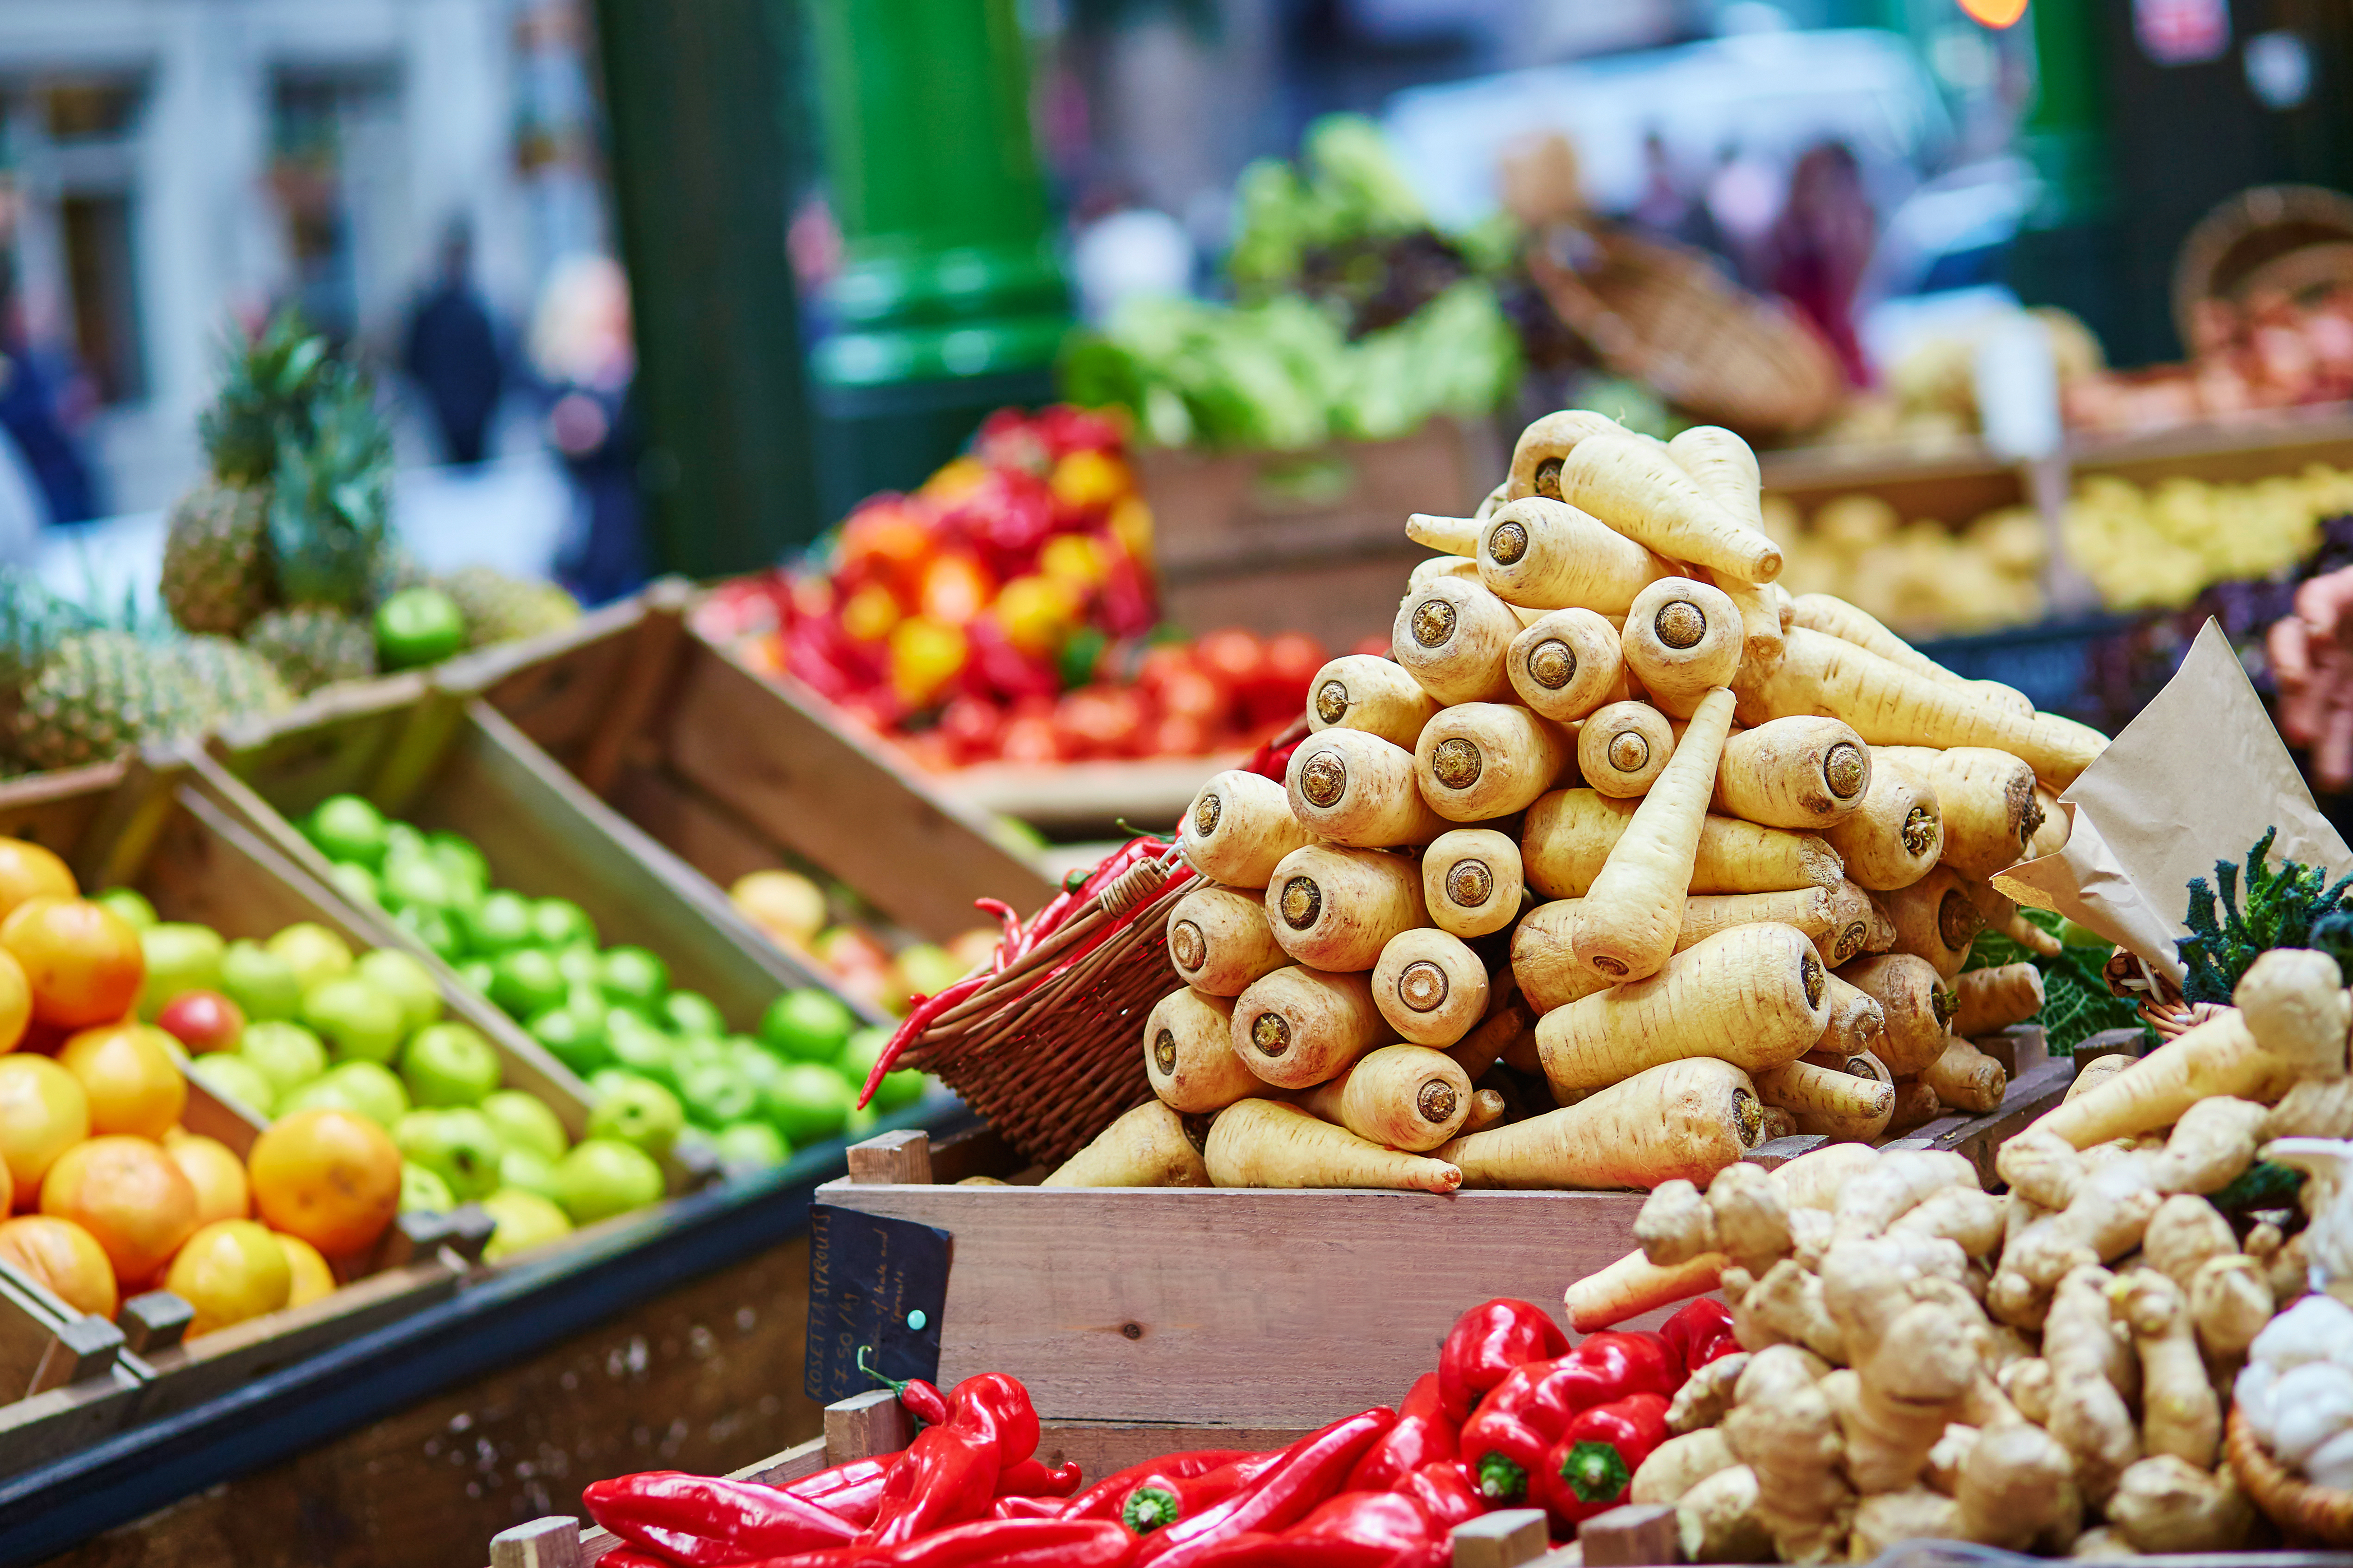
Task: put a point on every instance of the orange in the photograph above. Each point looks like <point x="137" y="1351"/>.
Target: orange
<point x="44" y="1111"/>
<point x="218" y="1175"/>
<point x="62" y="1255"/>
<point x="134" y="1084"/>
<point x="126" y="1193"/>
<point x="230" y="1271"/>
<point x="15" y="1002"/>
<point x="329" y="1177"/>
<point x="82" y="960"/>
<point x="29" y="871"/>
<point x="312" y="1276"/>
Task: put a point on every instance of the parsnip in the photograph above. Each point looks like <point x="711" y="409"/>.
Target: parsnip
<point x="1401" y="1097"/>
<point x="1299" y="1027"/>
<point x="1365" y="692"/>
<point x="2219" y="1056"/>
<point x="1915" y="1105"/>
<point x="1812" y="909"/>
<point x="1915" y="1005"/>
<point x="1634" y="1285"/>
<point x="1935" y="920"/>
<point x="1188" y="1053"/>
<point x="1682" y="640"/>
<point x="1566" y="663"/>
<point x="2050" y="836"/>
<point x="1894" y="835"/>
<point x="1829" y="1102"/>
<point x="1335" y="908"/>
<point x="1856" y="1023"/>
<point x="1569" y="833"/>
<point x="1985" y="797"/>
<point x="1964" y="1077"/>
<point x="1267" y="1143"/>
<point x="1543" y="556"/>
<point x="1219" y="940"/>
<point x="2003" y="916"/>
<point x="1755" y="996"/>
<point x="1685" y="1118"/>
<point x="1451" y="636"/>
<point x="1471" y="880"/>
<point x="1804" y="774"/>
<point x="1238" y="826"/>
<point x="1633" y="485"/>
<point x="1478" y="760"/>
<point x="1509" y="1020"/>
<point x="1457" y="536"/>
<point x="1430" y="986"/>
<point x="1988" y="1001"/>
<point x="1852" y="913"/>
<point x="1623" y="748"/>
<point x="1352" y="787"/>
<point x="1543" y="960"/>
<point x="1145" y="1148"/>
<point x="1722" y="465"/>
<point x="1822" y="613"/>
<point x="1545" y="443"/>
<point x="1626" y="927"/>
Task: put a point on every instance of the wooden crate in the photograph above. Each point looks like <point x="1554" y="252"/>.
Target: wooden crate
<point x="734" y="774"/>
<point x="65" y="1373"/>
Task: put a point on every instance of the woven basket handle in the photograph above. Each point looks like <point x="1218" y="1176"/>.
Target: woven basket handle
<point x="1132" y="887"/>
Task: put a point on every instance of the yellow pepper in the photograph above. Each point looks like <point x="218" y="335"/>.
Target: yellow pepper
<point x="954" y="480"/>
<point x="1037" y="613"/>
<point x="1073" y="558"/>
<point x="1090" y="478"/>
<point x="1131" y="524"/>
<point x="924" y="657"/>
<point x="869" y="614"/>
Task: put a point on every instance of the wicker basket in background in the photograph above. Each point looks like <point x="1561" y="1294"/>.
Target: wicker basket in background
<point x="2307" y="1514"/>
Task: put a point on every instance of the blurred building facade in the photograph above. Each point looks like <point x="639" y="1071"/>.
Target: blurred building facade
<point x="170" y="165"/>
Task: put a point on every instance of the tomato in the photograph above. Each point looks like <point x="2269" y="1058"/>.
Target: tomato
<point x="1177" y="735"/>
<point x="971" y="727"/>
<point x="1195" y="695"/>
<point x="1101" y="721"/>
<point x="1280" y="694"/>
<point x="924" y="657"/>
<point x="1031" y="738"/>
<point x="869" y="614"/>
<point x="82" y="960"/>
<point x="1233" y="656"/>
<point x="886" y="541"/>
<point x="955" y="590"/>
<point x="1372" y="646"/>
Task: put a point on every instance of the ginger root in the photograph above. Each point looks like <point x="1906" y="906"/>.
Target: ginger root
<point x="2231" y="1299"/>
<point x="2013" y="1485"/>
<point x="1675" y="1225"/>
<point x="1943" y="1471"/>
<point x="2088" y="1414"/>
<point x="1970" y="1218"/>
<point x="1914" y="1513"/>
<point x="1680" y="1464"/>
<point x="2180" y="1414"/>
<point x="1784" y="1308"/>
<point x="2105" y="1219"/>
<point x="1876" y="1198"/>
<point x="1906" y="1393"/>
<point x="2040" y="1167"/>
<point x="2314" y="1108"/>
<point x="1720" y="1519"/>
<point x="2027" y="1385"/>
<point x="2296" y="1007"/>
<point x="1784" y="1429"/>
<point x="2164" y="1503"/>
<point x="2184" y="1232"/>
<point x="1706" y="1393"/>
<point x="2213" y="1142"/>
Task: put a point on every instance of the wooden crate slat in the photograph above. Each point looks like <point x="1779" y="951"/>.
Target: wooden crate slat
<point x="334" y="744"/>
<point x="55" y="810"/>
<point x="554" y="686"/>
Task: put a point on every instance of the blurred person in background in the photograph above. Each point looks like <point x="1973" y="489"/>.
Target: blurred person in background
<point x="1816" y="250"/>
<point x="43" y="400"/>
<point x="452" y="354"/>
<point x="585" y="359"/>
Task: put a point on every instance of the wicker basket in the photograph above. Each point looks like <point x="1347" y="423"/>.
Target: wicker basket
<point x="1663" y="315"/>
<point x="2291" y="238"/>
<point x="2307" y="1514"/>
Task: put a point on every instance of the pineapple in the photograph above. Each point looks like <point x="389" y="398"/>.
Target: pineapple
<point x="101" y="693"/>
<point x="232" y="681"/>
<point x="330" y="500"/>
<point x="217" y="568"/>
<point x="499" y="608"/>
<point x="314" y="646"/>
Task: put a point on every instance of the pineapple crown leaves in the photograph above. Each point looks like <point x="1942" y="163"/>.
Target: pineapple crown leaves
<point x="266" y="390"/>
<point x="330" y="500"/>
<point x="33" y="622"/>
<point x="2286" y="905"/>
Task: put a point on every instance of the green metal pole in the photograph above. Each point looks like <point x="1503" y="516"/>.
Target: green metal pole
<point x="696" y="93"/>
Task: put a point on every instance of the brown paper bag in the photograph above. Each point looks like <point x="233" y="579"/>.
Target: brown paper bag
<point x="2195" y="779"/>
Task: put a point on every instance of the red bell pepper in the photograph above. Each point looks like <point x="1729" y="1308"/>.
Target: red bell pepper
<point x="1422" y="1434"/>
<point x="1508" y="1436"/>
<point x="948" y="1478"/>
<point x="1310" y="1472"/>
<point x="709" y="1522"/>
<point x="997" y="1408"/>
<point x="1700" y="1333"/>
<point x="1106" y="1498"/>
<point x="1488" y="1342"/>
<point x="1445" y="1489"/>
<point x="1590" y="1470"/>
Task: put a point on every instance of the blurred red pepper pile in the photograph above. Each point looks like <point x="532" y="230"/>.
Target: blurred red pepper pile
<point x="1006" y="610"/>
<point x="1512" y="1419"/>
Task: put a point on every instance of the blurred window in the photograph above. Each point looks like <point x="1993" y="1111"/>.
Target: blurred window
<point x="101" y="276"/>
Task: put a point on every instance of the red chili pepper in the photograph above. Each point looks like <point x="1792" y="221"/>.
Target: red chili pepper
<point x="1030" y="1477"/>
<point x="987" y="1543"/>
<point x="1444" y="1487"/>
<point x="1700" y="1333"/>
<point x="1310" y="1472"/>
<point x="1377" y="1530"/>
<point x="1106" y="1498"/>
<point x="1422" y="1434"/>
<point x="949" y="1476"/>
<point x="918" y="1019"/>
<point x="1159" y="1499"/>
<point x="1508" y="1436"/>
<point x="924" y="1401"/>
<point x="1489" y="1341"/>
<point x="1017" y="1507"/>
<point x="853" y="1490"/>
<point x="709" y="1522"/>
<point x="630" y="1557"/>
<point x="1590" y="1470"/>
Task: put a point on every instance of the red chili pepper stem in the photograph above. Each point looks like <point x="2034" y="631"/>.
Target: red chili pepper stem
<point x="1149" y="1508"/>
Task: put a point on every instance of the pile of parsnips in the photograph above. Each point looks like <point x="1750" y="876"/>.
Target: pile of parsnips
<point x="2048" y="1370"/>
<point x="1617" y="812"/>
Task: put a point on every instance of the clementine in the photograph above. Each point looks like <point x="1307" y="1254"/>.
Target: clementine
<point x="15" y="1002"/>
<point x="62" y="1255"/>
<point x="230" y="1271"/>
<point x="44" y="1111"/>
<point x="127" y="1192"/>
<point x="312" y="1277"/>
<point x="82" y="960"/>
<point x="328" y="1176"/>
<point x="29" y="871"/>
<point x="217" y="1173"/>
<point x="134" y="1084"/>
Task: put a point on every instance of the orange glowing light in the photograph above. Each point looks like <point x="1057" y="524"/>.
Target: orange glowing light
<point x="1994" y="13"/>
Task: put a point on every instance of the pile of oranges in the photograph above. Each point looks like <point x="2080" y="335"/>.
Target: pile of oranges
<point x="109" y="1195"/>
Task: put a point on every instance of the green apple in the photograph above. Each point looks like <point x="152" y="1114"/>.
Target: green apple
<point x="476" y="972"/>
<point x="423" y="1190"/>
<point x="578" y="1045"/>
<point x="316" y="953"/>
<point x="607" y="1081"/>
<point x="745" y="1055"/>
<point x="560" y="922"/>
<point x="498" y="923"/>
<point x="415" y="880"/>
<point x="347" y="828"/>
<point x="433" y="928"/>
<point x="633" y="977"/>
<point x="232" y="1077"/>
<point x="715" y="1093"/>
<point x="580" y="964"/>
<point x="858" y="1058"/>
<point x="259" y="981"/>
<point x="403" y="839"/>
<point x="927" y="969"/>
<point x="369" y="1090"/>
<point x="131" y="904"/>
<point x="749" y="1145"/>
<point x="448" y="1064"/>
<point x="180" y="957"/>
<point x="358" y="1018"/>
<point x="807" y="1025"/>
<point x="702" y="1051"/>
<point x="690" y="1013"/>
<point x="522" y="1169"/>
<point x="524" y="982"/>
<point x="859" y="1121"/>
<point x="409" y="981"/>
<point x="525" y="1219"/>
<point x="639" y="1111"/>
<point x="288" y="1055"/>
<point x="638" y="1047"/>
<point x="456" y="1144"/>
<point x="464" y="864"/>
<point x="605" y="1176"/>
<point x="356" y="883"/>
<point x="524" y="1122"/>
<point x="808" y="1103"/>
